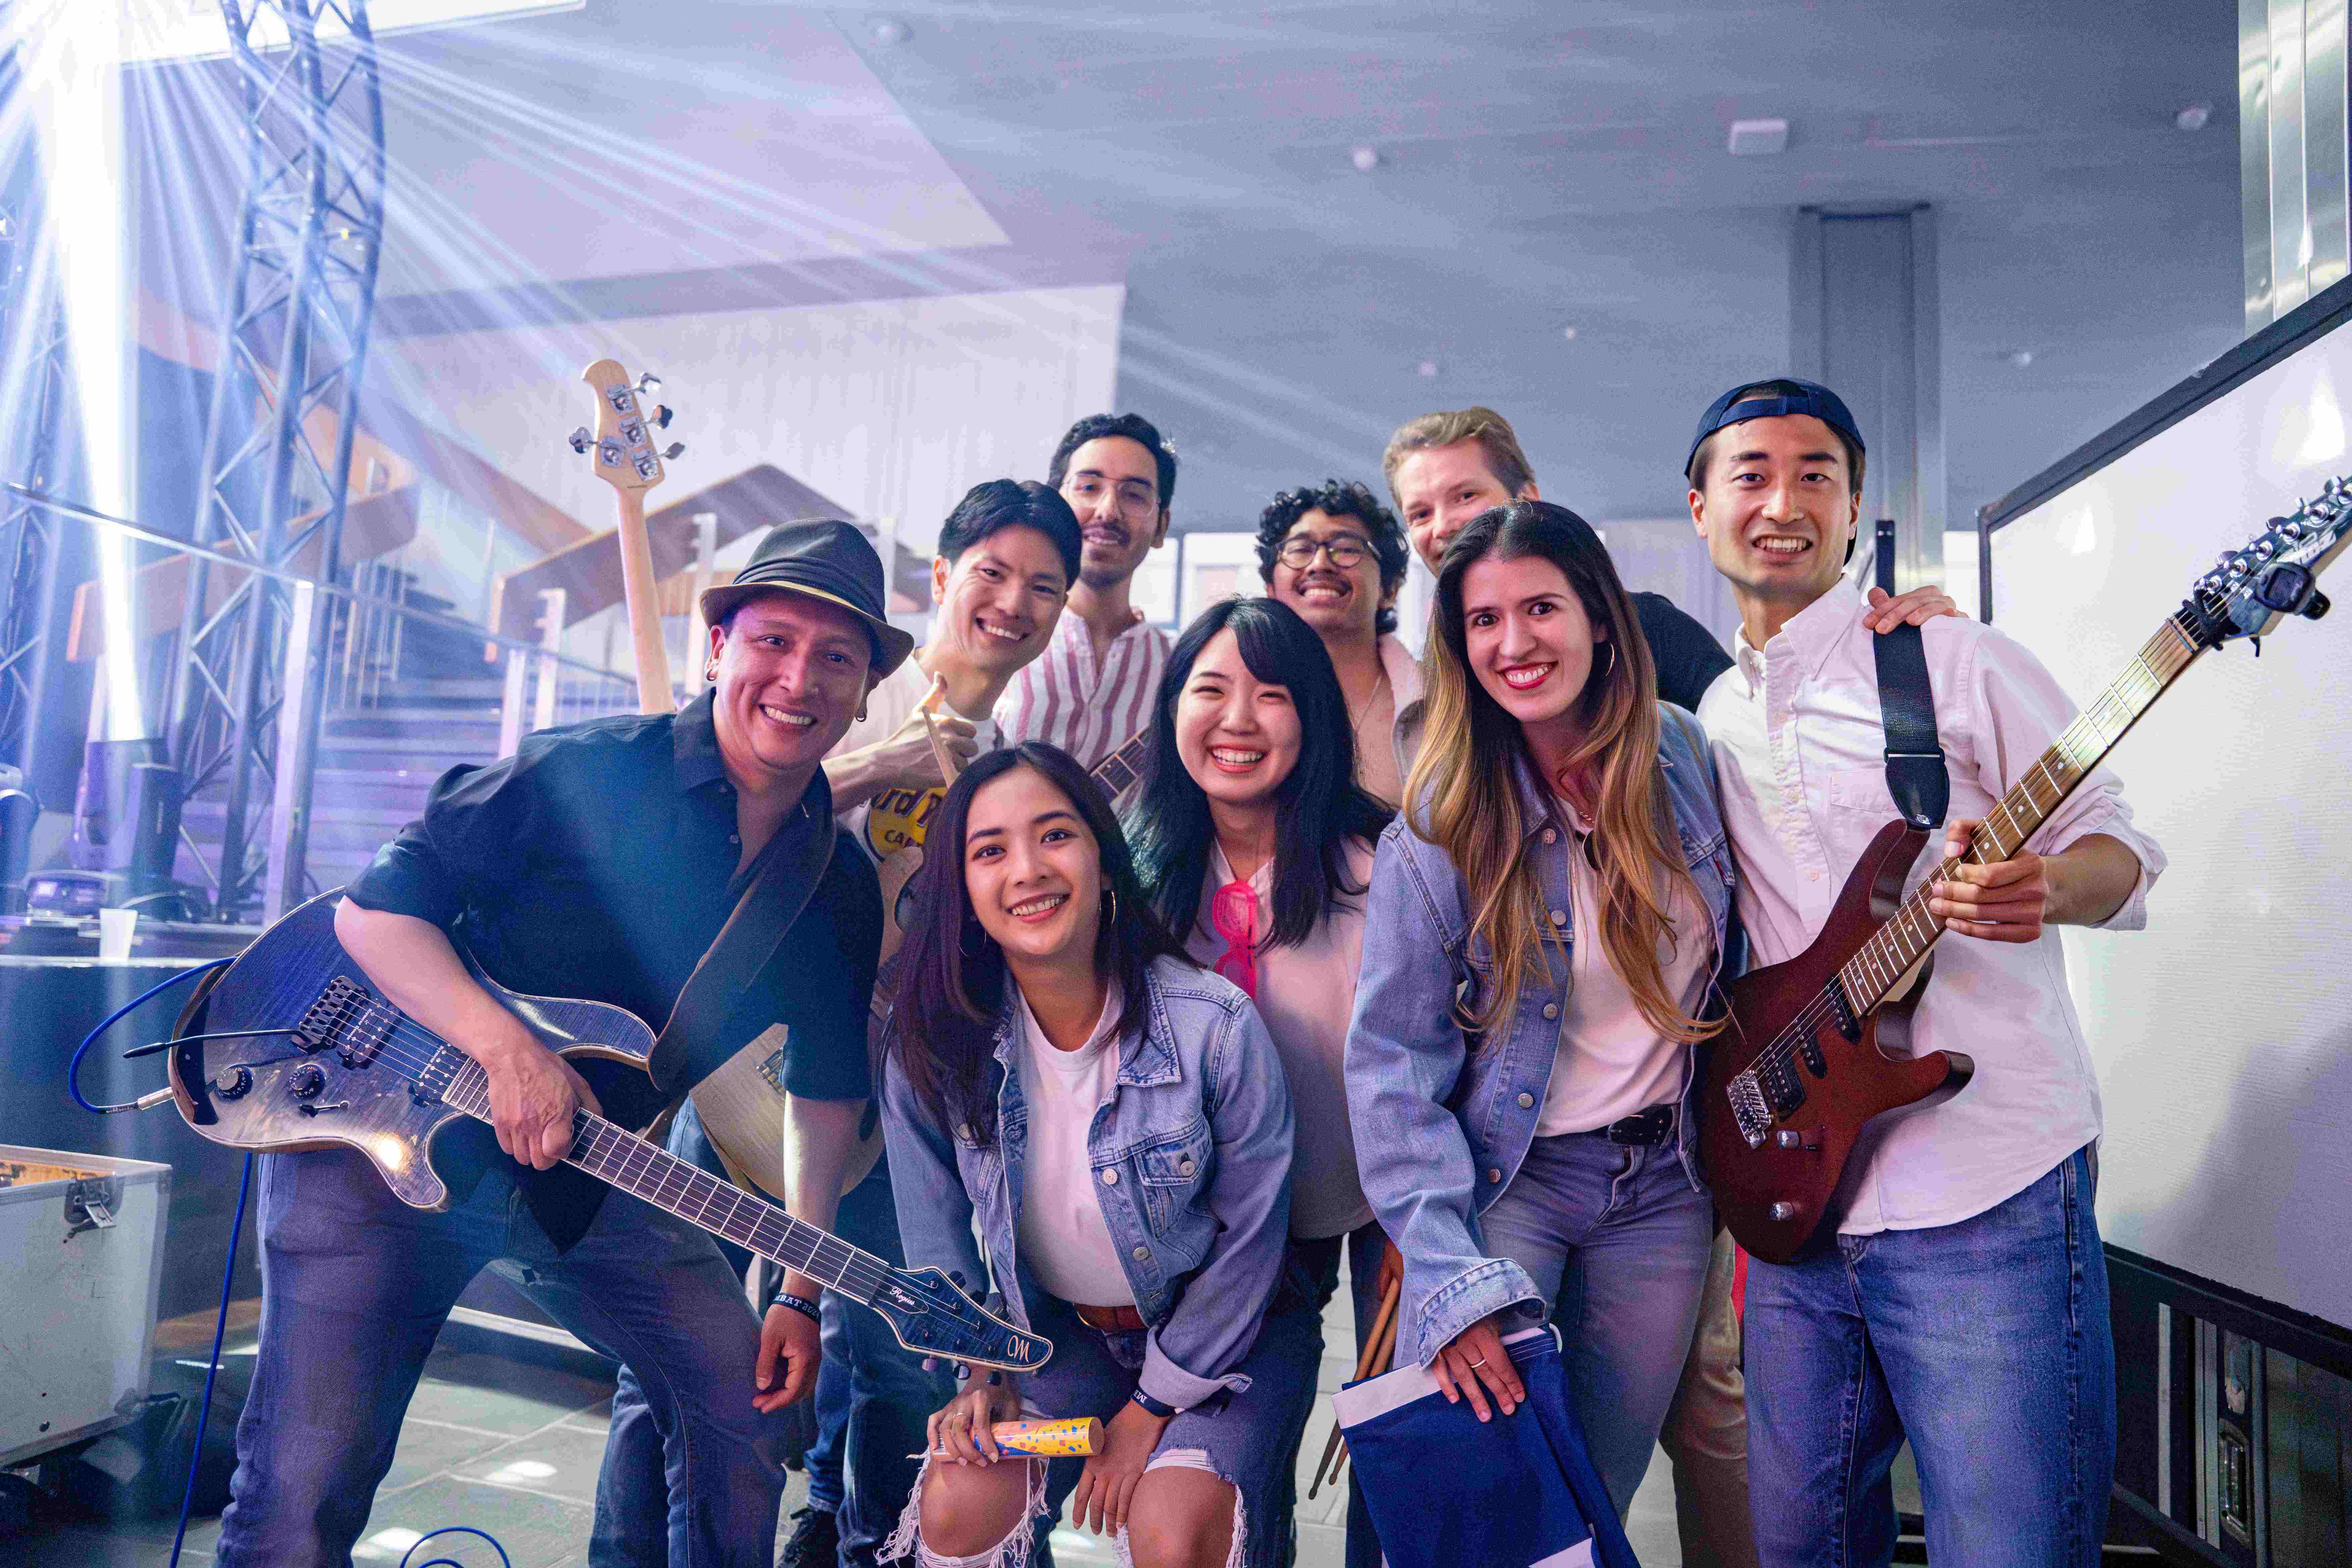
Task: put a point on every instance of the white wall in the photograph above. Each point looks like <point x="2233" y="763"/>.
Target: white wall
<point x="894" y="408"/>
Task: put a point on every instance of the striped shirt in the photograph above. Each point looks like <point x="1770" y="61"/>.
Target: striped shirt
<point x="1087" y="708"/>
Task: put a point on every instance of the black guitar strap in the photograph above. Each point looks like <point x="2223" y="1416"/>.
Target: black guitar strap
<point x="1916" y="774"/>
<point x="783" y="880"/>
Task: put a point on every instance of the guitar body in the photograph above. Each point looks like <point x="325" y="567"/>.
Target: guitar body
<point x="1778" y="1198"/>
<point x="328" y="1063"/>
<point x="287" y="1106"/>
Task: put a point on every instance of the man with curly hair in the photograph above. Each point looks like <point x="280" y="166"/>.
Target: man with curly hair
<point x="1336" y="555"/>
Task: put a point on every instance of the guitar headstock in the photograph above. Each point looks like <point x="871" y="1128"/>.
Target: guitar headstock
<point x="621" y="445"/>
<point x="933" y="1317"/>
<point x="2274" y="575"/>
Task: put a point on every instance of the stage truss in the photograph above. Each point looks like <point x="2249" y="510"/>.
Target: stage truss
<point x="32" y="344"/>
<point x="242" y="705"/>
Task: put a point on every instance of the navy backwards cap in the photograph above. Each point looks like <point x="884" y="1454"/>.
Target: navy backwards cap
<point x="1817" y="400"/>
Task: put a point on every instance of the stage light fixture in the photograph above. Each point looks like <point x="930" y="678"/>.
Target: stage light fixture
<point x="2193" y="117"/>
<point x="1365" y="159"/>
<point x="1759" y="138"/>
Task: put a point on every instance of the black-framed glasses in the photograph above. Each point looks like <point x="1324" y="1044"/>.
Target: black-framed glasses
<point x="1298" y="551"/>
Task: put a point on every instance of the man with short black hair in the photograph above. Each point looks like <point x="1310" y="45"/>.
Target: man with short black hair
<point x="1092" y="690"/>
<point x="1336" y="555"/>
<point x="1962" y="1302"/>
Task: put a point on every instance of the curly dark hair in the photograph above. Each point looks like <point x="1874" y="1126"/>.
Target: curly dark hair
<point x="1338" y="498"/>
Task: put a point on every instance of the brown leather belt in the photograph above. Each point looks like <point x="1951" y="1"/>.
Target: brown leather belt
<point x="1109" y="1320"/>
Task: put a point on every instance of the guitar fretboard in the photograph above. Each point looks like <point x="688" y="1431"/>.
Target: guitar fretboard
<point x="1124" y="766"/>
<point x="1905" y="939"/>
<point x="642" y="1169"/>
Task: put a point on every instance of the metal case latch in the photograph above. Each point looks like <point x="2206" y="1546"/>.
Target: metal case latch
<point x="89" y="1204"/>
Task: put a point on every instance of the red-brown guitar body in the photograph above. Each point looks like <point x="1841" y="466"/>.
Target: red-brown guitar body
<point x="1822" y="1078"/>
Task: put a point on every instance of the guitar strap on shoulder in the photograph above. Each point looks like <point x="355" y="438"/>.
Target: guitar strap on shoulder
<point x="783" y="880"/>
<point x="1916" y="774"/>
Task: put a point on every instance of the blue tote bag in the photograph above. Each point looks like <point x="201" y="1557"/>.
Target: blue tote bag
<point x="1448" y="1490"/>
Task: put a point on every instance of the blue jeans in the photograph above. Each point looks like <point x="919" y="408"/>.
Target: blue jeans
<point x="1985" y="1342"/>
<point x="1617" y="1240"/>
<point x="1314" y="1267"/>
<point x="884" y="1408"/>
<point x="356" y="1285"/>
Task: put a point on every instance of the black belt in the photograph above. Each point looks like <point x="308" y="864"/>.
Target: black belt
<point x="1644" y="1128"/>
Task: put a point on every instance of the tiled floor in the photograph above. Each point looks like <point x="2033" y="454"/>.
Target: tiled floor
<point x="511" y="1448"/>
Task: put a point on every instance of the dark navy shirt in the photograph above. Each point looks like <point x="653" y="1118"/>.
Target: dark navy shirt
<point x="599" y="861"/>
<point x="1686" y="653"/>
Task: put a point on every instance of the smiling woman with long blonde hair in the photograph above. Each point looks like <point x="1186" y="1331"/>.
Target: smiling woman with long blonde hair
<point x="1545" y="929"/>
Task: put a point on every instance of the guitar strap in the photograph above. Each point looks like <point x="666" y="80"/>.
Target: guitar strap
<point x="783" y="880"/>
<point x="1916" y="774"/>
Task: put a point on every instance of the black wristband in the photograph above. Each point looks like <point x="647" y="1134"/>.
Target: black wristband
<point x="1151" y="1407"/>
<point x="801" y="1304"/>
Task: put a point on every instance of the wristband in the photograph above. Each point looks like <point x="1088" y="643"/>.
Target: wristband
<point x="801" y="1304"/>
<point x="1151" y="1407"/>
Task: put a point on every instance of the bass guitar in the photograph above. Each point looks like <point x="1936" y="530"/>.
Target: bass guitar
<point x="620" y="450"/>
<point x="293" y="1049"/>
<point x="1792" y="1083"/>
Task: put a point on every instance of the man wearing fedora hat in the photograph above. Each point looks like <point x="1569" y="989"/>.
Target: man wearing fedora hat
<point x="600" y="861"/>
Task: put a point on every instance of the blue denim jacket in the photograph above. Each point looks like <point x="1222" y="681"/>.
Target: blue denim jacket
<point x="1193" y="1156"/>
<point x="1440" y="1132"/>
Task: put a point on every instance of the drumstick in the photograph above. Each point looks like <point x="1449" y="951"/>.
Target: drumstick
<point x="1383" y="1353"/>
<point x="929" y="705"/>
<point x="1378" y="1346"/>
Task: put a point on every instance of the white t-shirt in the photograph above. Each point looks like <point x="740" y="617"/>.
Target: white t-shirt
<point x="1060" y="1232"/>
<point x="1612" y="1062"/>
<point x="1306" y="994"/>
<point x="897" y="818"/>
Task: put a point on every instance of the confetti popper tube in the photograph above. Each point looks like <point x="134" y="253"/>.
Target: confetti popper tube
<point x="1072" y="1437"/>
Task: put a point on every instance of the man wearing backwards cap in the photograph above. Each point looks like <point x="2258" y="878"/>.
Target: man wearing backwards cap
<point x="599" y="861"/>
<point x="1964" y="1303"/>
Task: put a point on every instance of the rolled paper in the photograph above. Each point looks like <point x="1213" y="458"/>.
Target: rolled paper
<point x="1071" y="1438"/>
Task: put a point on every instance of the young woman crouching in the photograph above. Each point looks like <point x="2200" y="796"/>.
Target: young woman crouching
<point x="1115" y="1121"/>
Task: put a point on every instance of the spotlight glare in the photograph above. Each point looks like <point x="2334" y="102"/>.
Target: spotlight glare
<point x="1366" y="158"/>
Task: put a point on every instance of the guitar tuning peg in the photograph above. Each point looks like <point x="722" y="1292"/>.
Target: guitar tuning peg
<point x="580" y="438"/>
<point x="661" y="416"/>
<point x="648" y="385"/>
<point x="673" y="450"/>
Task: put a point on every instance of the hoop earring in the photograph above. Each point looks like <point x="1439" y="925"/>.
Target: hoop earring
<point x="1110" y="910"/>
<point x="1611" y="668"/>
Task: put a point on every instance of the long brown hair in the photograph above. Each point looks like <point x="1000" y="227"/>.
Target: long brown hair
<point x="1463" y="795"/>
<point x="952" y="978"/>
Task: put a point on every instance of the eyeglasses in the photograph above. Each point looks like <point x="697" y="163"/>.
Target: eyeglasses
<point x="1134" y="500"/>
<point x="1298" y="551"/>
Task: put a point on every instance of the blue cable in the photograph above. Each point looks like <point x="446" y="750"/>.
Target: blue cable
<point x="73" y="1067"/>
<point x="452" y="1562"/>
<point x="211" y="1372"/>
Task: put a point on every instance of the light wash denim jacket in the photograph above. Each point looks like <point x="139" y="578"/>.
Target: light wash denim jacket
<point x="1440" y="1130"/>
<point x="1192" y="1162"/>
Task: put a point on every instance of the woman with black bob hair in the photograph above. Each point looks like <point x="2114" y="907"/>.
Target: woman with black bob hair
<point x="1255" y="844"/>
<point x="1114" y="1119"/>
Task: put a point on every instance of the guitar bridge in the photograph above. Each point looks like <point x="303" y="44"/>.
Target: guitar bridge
<point x="346" y="1018"/>
<point x="1747" y="1108"/>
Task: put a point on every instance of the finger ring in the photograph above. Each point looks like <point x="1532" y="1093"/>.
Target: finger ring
<point x="1480" y="1362"/>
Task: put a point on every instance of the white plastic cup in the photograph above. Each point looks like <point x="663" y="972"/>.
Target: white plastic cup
<point x="114" y="929"/>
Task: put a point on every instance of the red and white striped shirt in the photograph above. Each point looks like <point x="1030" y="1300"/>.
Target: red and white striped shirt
<point x="1089" y="708"/>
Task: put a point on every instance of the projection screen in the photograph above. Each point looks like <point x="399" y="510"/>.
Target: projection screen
<point x="2223" y="1032"/>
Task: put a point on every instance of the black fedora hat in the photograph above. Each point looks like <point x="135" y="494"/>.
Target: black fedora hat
<point x="830" y="560"/>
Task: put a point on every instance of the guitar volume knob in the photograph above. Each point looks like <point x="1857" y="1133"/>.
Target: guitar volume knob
<point x="231" y="1083"/>
<point x="1784" y="1210"/>
<point x="306" y="1081"/>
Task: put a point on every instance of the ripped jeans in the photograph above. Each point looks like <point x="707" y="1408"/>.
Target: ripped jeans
<point x="1246" y="1438"/>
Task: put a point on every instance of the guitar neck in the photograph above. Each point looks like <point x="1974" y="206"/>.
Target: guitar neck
<point x="638" y="588"/>
<point x="644" y="1170"/>
<point x="1882" y="962"/>
<point x="1124" y="766"/>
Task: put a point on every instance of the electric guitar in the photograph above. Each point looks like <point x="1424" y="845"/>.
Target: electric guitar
<point x="621" y="453"/>
<point x="293" y="1049"/>
<point x="1790" y="1084"/>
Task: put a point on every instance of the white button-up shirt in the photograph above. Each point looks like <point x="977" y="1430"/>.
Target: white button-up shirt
<point x="1801" y="757"/>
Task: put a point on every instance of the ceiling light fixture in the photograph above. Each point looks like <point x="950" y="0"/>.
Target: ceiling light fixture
<point x="2020" y="358"/>
<point x="1366" y="158"/>
<point x="1426" y="369"/>
<point x="1569" y="332"/>
<point x="2193" y="117"/>
<point x="889" y="32"/>
<point x="1759" y="138"/>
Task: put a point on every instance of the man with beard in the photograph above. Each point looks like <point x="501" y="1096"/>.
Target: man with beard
<point x="1091" y="690"/>
<point x="1337" y="556"/>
